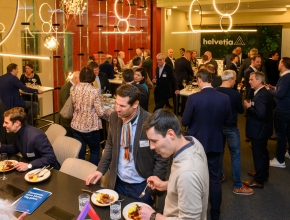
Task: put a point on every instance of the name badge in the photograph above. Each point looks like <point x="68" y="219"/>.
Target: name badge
<point x="144" y="143"/>
<point x="163" y="75"/>
<point x="30" y="154"/>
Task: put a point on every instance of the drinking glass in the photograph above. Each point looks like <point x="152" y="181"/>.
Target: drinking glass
<point x="34" y="81"/>
<point x="83" y="199"/>
<point x="184" y="83"/>
<point x="3" y="159"/>
<point x="115" y="210"/>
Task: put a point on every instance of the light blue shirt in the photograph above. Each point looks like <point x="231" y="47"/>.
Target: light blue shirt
<point x="126" y="169"/>
<point x="161" y="69"/>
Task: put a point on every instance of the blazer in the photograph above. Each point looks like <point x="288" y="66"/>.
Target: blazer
<point x="183" y="70"/>
<point x="213" y="62"/>
<point x="249" y="91"/>
<point x="259" y="122"/>
<point x="205" y="114"/>
<point x="245" y="65"/>
<point x="163" y="90"/>
<point x="273" y="72"/>
<point x="105" y="84"/>
<point x="169" y="62"/>
<point x="227" y="61"/>
<point x="34" y="147"/>
<point x="144" y="99"/>
<point x="64" y="94"/>
<point x="147" y="64"/>
<point x="216" y="81"/>
<point x="108" y="69"/>
<point x="147" y="162"/>
<point x="9" y="91"/>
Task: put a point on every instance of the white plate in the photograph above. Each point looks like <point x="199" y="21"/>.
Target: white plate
<point x="126" y="208"/>
<point x="105" y="191"/>
<point x="39" y="179"/>
<point x="3" y="162"/>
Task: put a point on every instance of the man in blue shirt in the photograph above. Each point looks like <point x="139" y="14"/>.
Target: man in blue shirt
<point x="281" y="95"/>
<point x="127" y="152"/>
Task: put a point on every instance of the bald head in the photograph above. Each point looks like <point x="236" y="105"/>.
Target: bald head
<point x="208" y="53"/>
<point x="75" y="77"/>
<point x="170" y="53"/>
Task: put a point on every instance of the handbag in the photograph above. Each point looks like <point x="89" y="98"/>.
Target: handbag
<point x="68" y="109"/>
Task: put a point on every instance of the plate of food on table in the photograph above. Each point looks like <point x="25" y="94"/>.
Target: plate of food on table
<point x="38" y="175"/>
<point x="131" y="211"/>
<point x="7" y="165"/>
<point x="104" y="197"/>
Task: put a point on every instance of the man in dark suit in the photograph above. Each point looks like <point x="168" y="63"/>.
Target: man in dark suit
<point x="259" y="127"/>
<point x="216" y="80"/>
<point x="147" y="62"/>
<point x="31" y="142"/>
<point x="228" y="59"/>
<point x="170" y="60"/>
<point x="164" y="81"/>
<point x="205" y="114"/>
<point x="182" y="52"/>
<point x="137" y="63"/>
<point x="272" y="70"/>
<point x="211" y="60"/>
<point x="128" y="76"/>
<point x="127" y="152"/>
<point x="9" y="88"/>
<point x="254" y="67"/>
<point x="64" y="94"/>
<point x="108" y="68"/>
<point x="101" y="82"/>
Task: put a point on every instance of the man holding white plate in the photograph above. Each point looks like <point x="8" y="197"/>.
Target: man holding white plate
<point x="31" y="142"/>
<point x="188" y="184"/>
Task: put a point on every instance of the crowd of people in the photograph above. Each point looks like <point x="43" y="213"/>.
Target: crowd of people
<point x="140" y="146"/>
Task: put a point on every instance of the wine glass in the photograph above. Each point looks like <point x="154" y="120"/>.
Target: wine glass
<point x="184" y="83"/>
<point x="34" y="81"/>
<point x="4" y="160"/>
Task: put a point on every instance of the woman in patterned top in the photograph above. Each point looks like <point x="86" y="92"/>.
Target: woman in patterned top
<point x="88" y="111"/>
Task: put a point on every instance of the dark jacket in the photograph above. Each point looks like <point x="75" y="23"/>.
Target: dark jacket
<point x="147" y="162"/>
<point x="9" y="91"/>
<point x="259" y="123"/>
<point x="165" y="83"/>
<point x="64" y="94"/>
<point x="105" y="84"/>
<point x="216" y="81"/>
<point x="169" y="62"/>
<point x="183" y="70"/>
<point x="147" y="64"/>
<point x="144" y="99"/>
<point x="34" y="146"/>
<point x="273" y="72"/>
<point x="108" y="69"/>
<point x="205" y="114"/>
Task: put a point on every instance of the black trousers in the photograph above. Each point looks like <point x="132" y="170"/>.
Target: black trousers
<point x="261" y="159"/>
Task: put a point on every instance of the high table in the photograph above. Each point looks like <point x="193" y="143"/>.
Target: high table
<point x="65" y="190"/>
<point x="184" y="92"/>
<point x="44" y="89"/>
<point x="116" y="80"/>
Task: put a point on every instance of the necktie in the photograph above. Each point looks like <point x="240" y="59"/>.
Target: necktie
<point x="96" y="84"/>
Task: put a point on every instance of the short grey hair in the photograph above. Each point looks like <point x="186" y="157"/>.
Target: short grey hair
<point x="259" y="75"/>
<point x="160" y="54"/>
<point x="228" y="74"/>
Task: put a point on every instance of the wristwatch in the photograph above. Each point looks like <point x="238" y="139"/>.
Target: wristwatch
<point x="153" y="216"/>
<point x="29" y="166"/>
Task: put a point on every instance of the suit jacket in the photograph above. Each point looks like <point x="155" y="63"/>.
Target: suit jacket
<point x="34" y="147"/>
<point x="147" y="64"/>
<point x="249" y="91"/>
<point x="216" y="81"/>
<point x="169" y="62"/>
<point x="9" y="91"/>
<point x="259" y="122"/>
<point x="273" y="72"/>
<point x="105" y="84"/>
<point x="234" y="68"/>
<point x="64" y="94"/>
<point x="205" y="114"/>
<point x="227" y="61"/>
<point x="107" y="68"/>
<point x="147" y="162"/>
<point x="245" y="65"/>
<point x="144" y="99"/>
<point x="165" y="83"/>
<point x="183" y="70"/>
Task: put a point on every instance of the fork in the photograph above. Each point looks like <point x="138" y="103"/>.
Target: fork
<point x="45" y="172"/>
<point x="143" y="193"/>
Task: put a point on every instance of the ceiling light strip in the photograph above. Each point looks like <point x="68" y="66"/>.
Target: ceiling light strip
<point x="25" y="56"/>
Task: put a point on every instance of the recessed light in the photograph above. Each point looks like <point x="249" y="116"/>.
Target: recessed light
<point x="174" y="6"/>
<point x="287" y="6"/>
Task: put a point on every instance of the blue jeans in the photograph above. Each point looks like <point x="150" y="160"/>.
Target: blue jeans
<point x="133" y="190"/>
<point x="282" y="130"/>
<point x="232" y="136"/>
<point x="92" y="139"/>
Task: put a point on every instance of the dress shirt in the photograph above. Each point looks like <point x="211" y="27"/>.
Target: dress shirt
<point x="287" y="71"/>
<point x="258" y="90"/>
<point x="207" y="87"/>
<point x="126" y="169"/>
<point x="253" y="68"/>
<point x="72" y="82"/>
<point x="161" y="69"/>
<point x="172" y="60"/>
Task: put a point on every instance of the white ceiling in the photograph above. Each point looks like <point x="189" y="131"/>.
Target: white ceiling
<point x="226" y="5"/>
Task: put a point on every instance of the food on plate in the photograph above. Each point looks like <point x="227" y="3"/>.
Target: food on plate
<point x="30" y="176"/>
<point x="133" y="212"/>
<point x="104" y="198"/>
<point x="7" y="165"/>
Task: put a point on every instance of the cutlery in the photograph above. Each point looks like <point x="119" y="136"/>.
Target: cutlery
<point x="32" y="175"/>
<point x="43" y="168"/>
<point x="41" y="175"/>
<point x="143" y="193"/>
